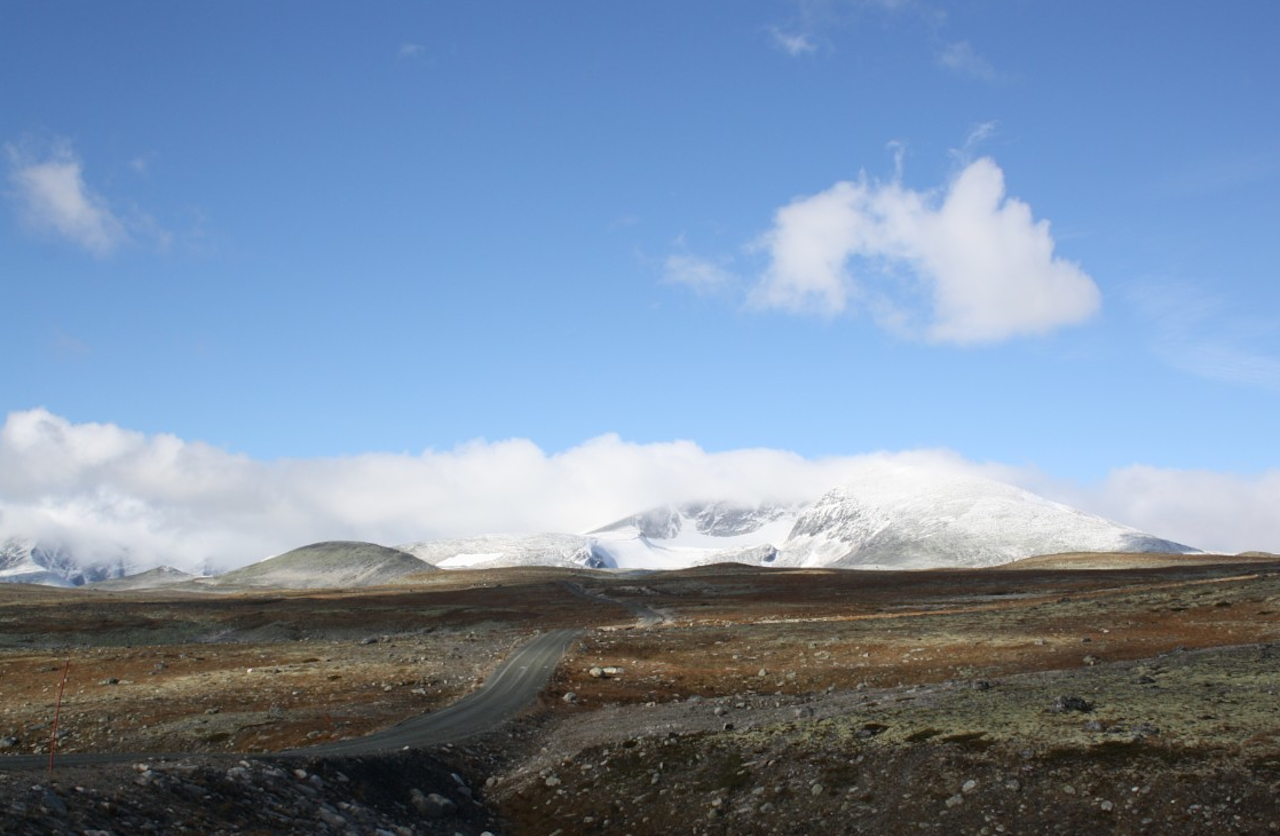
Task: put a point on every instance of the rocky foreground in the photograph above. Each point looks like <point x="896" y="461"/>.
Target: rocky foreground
<point x="726" y="701"/>
<point x="1188" y="742"/>
<point x="408" y="795"/>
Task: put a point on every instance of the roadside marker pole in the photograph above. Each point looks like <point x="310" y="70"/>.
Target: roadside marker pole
<point x="53" y="737"/>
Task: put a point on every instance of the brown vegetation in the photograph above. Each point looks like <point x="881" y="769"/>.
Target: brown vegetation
<point x="1032" y="699"/>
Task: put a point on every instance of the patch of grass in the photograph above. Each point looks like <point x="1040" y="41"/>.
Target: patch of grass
<point x="922" y="735"/>
<point x="970" y="741"/>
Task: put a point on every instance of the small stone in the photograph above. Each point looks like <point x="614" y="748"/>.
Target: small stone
<point x="331" y="818"/>
<point x="570" y="698"/>
<point x="817" y="789"/>
<point x="1107" y="806"/>
<point x="955" y="800"/>
<point x="553" y="781"/>
<point x="969" y="786"/>
<point x="52" y="803"/>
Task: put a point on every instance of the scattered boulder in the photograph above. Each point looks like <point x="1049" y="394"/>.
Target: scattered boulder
<point x="1064" y="703"/>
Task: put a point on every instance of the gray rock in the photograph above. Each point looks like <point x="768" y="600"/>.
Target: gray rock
<point x="50" y="801"/>
<point x="1064" y="703"/>
<point x="432" y="805"/>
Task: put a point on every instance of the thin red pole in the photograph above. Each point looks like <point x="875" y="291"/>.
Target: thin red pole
<point x="53" y="738"/>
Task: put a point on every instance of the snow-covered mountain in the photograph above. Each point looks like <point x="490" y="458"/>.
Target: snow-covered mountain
<point x="889" y="514"/>
<point x="668" y="537"/>
<point x="29" y="561"/>
<point x="898" y="517"/>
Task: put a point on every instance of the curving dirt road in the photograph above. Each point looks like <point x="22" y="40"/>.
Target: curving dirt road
<point x="513" y="687"/>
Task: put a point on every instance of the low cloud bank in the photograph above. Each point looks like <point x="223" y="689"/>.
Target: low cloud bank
<point x="163" y="500"/>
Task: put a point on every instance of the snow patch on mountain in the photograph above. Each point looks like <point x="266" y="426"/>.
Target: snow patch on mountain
<point x="492" y="551"/>
<point x="667" y="537"/>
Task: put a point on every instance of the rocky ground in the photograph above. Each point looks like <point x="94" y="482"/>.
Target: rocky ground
<point x="1043" y="700"/>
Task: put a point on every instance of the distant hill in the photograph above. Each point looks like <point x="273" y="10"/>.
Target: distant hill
<point x="337" y="563"/>
<point x="1130" y="560"/>
<point x="156" y="578"/>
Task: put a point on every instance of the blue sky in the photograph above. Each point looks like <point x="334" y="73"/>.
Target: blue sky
<point x="1036" y="235"/>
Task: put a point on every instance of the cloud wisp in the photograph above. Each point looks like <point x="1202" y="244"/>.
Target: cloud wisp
<point x="793" y="43"/>
<point x="975" y="259"/>
<point x="53" y="199"/>
<point x="699" y="274"/>
<point x="1196" y="333"/>
<point x="961" y="58"/>
<point x="163" y="500"/>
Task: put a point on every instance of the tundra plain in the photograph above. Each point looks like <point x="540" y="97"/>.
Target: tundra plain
<point x="1050" y="696"/>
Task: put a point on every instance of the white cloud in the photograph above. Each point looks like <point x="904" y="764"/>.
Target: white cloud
<point x="411" y="50"/>
<point x="795" y="44"/>
<point x="189" y="504"/>
<point x="1218" y="512"/>
<point x="185" y="503"/>
<point x="985" y="267"/>
<point x="961" y="58"/>
<point x="700" y="274"/>
<point x="53" y="198"/>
